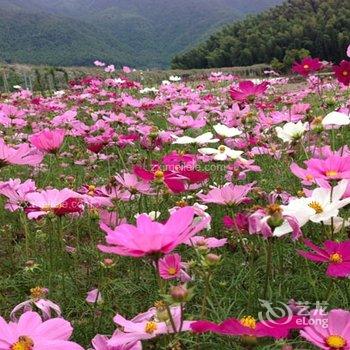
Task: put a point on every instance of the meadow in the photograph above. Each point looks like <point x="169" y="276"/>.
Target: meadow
<point x="210" y="212"/>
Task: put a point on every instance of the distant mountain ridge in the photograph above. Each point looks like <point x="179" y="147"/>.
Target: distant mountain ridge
<point x="143" y="33"/>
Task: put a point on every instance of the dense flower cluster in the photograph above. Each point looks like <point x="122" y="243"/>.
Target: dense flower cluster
<point x="181" y="176"/>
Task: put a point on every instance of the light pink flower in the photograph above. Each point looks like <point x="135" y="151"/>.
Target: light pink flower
<point x="145" y="326"/>
<point x="229" y="194"/>
<point x="100" y="342"/>
<point x="52" y="201"/>
<point x="328" y="331"/>
<point x="37" y="300"/>
<point x="206" y="242"/>
<point x="15" y="191"/>
<point x="31" y="333"/>
<point x="94" y="296"/>
<point x="22" y="154"/>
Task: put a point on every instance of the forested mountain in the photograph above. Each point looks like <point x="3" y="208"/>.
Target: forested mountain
<point x="143" y="33"/>
<point x="320" y="26"/>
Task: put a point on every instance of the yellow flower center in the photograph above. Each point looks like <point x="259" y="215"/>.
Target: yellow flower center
<point x="317" y="207"/>
<point x="181" y="203"/>
<point x="222" y="149"/>
<point x="151" y="327"/>
<point x="159" y="175"/>
<point x="274" y="209"/>
<point x="23" y="343"/>
<point x="172" y="271"/>
<point x="345" y="73"/>
<point x="37" y="292"/>
<point x="309" y="177"/>
<point x="335" y="341"/>
<point x="46" y="208"/>
<point x="91" y="190"/>
<point x="248" y="321"/>
<point x="306" y="66"/>
<point x="336" y="258"/>
<point x="331" y="173"/>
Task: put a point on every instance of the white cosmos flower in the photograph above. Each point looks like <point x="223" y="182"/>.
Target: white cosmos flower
<point x="336" y="118"/>
<point x="174" y="78"/>
<point x="323" y="204"/>
<point x="153" y="215"/>
<point x="200" y="140"/>
<point x="221" y="153"/>
<point x="147" y="90"/>
<point x="291" y="131"/>
<point x="225" y="131"/>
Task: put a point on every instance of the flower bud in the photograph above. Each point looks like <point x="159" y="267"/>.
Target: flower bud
<point x="212" y="259"/>
<point x="179" y="293"/>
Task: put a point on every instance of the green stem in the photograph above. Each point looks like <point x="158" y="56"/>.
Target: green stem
<point x="268" y="267"/>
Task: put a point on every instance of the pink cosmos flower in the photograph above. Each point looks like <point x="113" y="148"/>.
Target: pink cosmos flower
<point x="206" y="242"/>
<point x="272" y="222"/>
<point x="100" y="342"/>
<point x="37" y="300"/>
<point x="48" y="140"/>
<point x="307" y="65"/>
<point x="328" y="331"/>
<point x="94" y="296"/>
<point x="239" y="222"/>
<point x="334" y="167"/>
<point x="248" y="326"/>
<point x="15" y="191"/>
<point x="150" y="237"/>
<point x="110" y="218"/>
<point x="173" y="181"/>
<point x="176" y="161"/>
<point x="31" y="333"/>
<point x="131" y="182"/>
<point x="169" y="267"/>
<point x="58" y="202"/>
<point x="146" y="326"/>
<point x="335" y="254"/>
<point x="229" y="194"/>
<point x="247" y="91"/>
<point x="22" y="154"/>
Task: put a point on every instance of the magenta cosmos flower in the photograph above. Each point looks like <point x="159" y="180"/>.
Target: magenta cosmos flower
<point x="342" y="72"/>
<point x="169" y="267"/>
<point x="247" y="91"/>
<point x="328" y="331"/>
<point x="48" y="140"/>
<point x="248" y="326"/>
<point x="335" y="254"/>
<point x="22" y="154"/>
<point x="31" y="333"/>
<point x="307" y="65"/>
<point x="229" y="194"/>
<point x="149" y="237"/>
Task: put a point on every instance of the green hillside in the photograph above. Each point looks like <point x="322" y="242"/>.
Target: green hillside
<point x="320" y="26"/>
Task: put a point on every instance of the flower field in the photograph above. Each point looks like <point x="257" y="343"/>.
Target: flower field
<point x="190" y="214"/>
